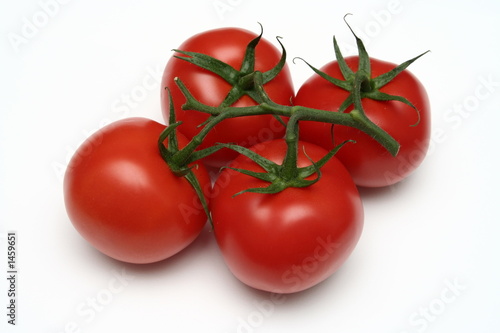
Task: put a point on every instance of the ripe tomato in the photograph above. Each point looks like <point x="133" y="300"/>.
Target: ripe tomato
<point x="369" y="163"/>
<point x="123" y="199"/>
<point x="292" y="240"/>
<point x="227" y="45"/>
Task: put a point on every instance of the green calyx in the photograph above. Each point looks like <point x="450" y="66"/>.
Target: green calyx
<point x="241" y="80"/>
<point x="281" y="176"/>
<point x="287" y="174"/>
<point x="250" y="82"/>
<point x="171" y="150"/>
<point x="360" y="83"/>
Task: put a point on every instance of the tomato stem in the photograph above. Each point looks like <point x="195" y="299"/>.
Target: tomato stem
<point x="248" y="81"/>
<point x="290" y="170"/>
<point x="356" y="118"/>
<point x="169" y="151"/>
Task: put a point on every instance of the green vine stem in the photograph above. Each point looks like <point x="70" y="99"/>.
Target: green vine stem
<point x="248" y="81"/>
<point x="355" y="118"/>
<point x="179" y="169"/>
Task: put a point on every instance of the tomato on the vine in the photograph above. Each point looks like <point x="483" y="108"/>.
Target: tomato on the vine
<point x="122" y="197"/>
<point x="369" y="163"/>
<point x="291" y="240"/>
<point x="227" y="45"/>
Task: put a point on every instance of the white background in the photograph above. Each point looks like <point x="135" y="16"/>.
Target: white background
<point x="428" y="257"/>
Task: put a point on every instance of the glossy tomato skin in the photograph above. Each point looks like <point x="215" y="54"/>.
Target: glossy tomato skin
<point x="293" y="240"/>
<point x="123" y="199"/>
<point x="369" y="163"/>
<point x="227" y="45"/>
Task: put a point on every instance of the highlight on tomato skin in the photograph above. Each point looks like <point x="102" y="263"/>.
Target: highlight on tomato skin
<point x="286" y="213"/>
<point x="289" y="241"/>
<point x="370" y="164"/>
<point x="121" y="196"/>
<point x="227" y="45"/>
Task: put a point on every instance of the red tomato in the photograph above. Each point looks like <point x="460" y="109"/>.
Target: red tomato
<point x="227" y="45"/>
<point x="123" y="199"/>
<point x="292" y="240"/>
<point x="369" y="163"/>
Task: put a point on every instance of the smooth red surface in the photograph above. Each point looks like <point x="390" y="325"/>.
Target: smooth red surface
<point x="369" y="163"/>
<point x="123" y="199"/>
<point x="227" y="45"/>
<point x="290" y="241"/>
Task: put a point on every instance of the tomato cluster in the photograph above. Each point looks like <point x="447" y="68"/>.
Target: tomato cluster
<point x="284" y="204"/>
